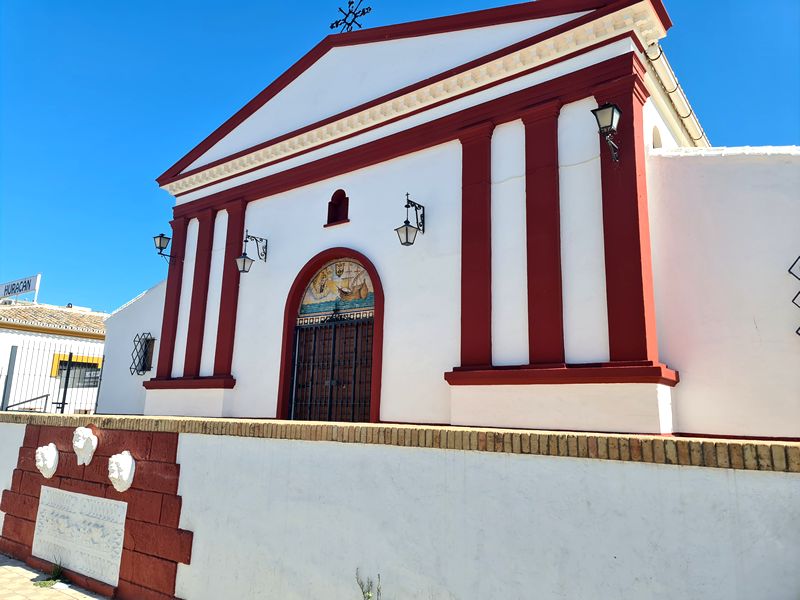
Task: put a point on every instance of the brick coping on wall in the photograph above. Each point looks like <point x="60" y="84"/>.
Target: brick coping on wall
<point x="749" y="454"/>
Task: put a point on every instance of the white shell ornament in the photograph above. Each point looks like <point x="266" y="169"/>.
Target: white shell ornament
<point x="121" y="468"/>
<point x="84" y="443"/>
<point x="47" y="460"/>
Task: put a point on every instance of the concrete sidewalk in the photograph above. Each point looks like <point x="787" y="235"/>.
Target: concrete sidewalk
<point x="17" y="579"/>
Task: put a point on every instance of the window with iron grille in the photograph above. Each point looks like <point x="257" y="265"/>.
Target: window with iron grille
<point x="81" y="374"/>
<point x="142" y="355"/>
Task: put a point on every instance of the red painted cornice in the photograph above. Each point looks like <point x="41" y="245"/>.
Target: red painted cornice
<point x="564" y="374"/>
<point x="190" y="383"/>
<point x="484" y="18"/>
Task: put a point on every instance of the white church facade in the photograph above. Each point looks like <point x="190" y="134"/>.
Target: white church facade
<point x="554" y="280"/>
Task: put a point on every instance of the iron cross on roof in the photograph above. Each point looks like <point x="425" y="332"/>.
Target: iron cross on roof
<point x="351" y="16"/>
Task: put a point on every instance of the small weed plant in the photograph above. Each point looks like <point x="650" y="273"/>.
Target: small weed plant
<point x="370" y="590"/>
<point x="56" y="575"/>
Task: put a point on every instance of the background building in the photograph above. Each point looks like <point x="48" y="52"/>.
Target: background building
<point x="131" y="351"/>
<point x="51" y="357"/>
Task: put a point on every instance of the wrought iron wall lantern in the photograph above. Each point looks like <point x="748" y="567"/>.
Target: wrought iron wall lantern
<point x="607" y="117"/>
<point x="244" y="262"/>
<point x="162" y="242"/>
<point x="408" y="232"/>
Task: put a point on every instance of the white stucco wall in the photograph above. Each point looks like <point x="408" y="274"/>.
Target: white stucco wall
<point x="583" y="270"/>
<point x="214" y="294"/>
<point x="185" y="303"/>
<point x="122" y="393"/>
<point x="11" y="436"/>
<point x="725" y="229"/>
<point x="509" y="247"/>
<point x="652" y="122"/>
<point x="630" y="407"/>
<point x="294" y="520"/>
<point x="421" y="283"/>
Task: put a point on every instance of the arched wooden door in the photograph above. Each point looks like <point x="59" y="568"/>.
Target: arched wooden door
<point x="333" y="345"/>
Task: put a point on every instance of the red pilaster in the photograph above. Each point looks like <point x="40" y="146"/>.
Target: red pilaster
<point x="476" y="246"/>
<point x="229" y="298"/>
<point x="197" y="316"/>
<point x="543" y="224"/>
<point x="172" y="298"/>
<point x="629" y="271"/>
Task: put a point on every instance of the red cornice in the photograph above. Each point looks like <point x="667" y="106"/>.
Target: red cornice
<point x="497" y="16"/>
<point x="564" y="374"/>
<point x="190" y="383"/>
<point x="567" y="88"/>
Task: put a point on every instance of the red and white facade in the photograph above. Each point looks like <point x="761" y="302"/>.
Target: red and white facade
<point x="531" y="299"/>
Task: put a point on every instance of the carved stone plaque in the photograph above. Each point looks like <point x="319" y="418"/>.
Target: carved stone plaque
<point x="81" y="533"/>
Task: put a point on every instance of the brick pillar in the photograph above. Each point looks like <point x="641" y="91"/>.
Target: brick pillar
<point x="476" y="246"/>
<point x="229" y="297"/>
<point x="629" y="270"/>
<point x="543" y="224"/>
<point x="172" y="298"/>
<point x="197" y="315"/>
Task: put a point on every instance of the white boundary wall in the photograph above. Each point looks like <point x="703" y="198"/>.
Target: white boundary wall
<point x="725" y="229"/>
<point x="294" y="519"/>
<point x="11" y="436"/>
<point x="120" y="392"/>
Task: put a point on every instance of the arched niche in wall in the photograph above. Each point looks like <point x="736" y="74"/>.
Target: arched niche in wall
<point x="338" y="209"/>
<point x="332" y="349"/>
<point x="656" y="138"/>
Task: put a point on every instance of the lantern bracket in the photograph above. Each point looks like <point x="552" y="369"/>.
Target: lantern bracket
<point x="419" y="213"/>
<point x="612" y="146"/>
<point x="261" y="245"/>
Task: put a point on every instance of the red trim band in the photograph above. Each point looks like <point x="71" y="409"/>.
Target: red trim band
<point x="565" y="374"/>
<point x="191" y="383"/>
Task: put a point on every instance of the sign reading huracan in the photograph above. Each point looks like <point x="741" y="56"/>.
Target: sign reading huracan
<point x="81" y="533"/>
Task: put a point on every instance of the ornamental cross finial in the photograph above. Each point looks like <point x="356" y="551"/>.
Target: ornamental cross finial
<point x="351" y="16"/>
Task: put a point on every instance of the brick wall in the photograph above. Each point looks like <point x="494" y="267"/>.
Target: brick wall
<point x="154" y="544"/>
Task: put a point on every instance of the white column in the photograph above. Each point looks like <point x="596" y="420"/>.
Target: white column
<point x="583" y="272"/>
<point x="509" y="258"/>
<point x="214" y="291"/>
<point x="184" y="307"/>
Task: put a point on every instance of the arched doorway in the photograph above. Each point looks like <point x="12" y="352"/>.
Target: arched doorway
<point x="333" y="336"/>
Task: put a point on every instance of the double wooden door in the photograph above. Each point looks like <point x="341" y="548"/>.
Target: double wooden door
<point x="332" y="375"/>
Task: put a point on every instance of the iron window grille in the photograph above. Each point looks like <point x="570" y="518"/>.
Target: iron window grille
<point x="142" y="355"/>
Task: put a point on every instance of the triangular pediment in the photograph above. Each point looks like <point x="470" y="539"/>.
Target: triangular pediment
<point x="348" y="70"/>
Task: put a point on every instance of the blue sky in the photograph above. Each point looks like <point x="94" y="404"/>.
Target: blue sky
<point x="99" y="98"/>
